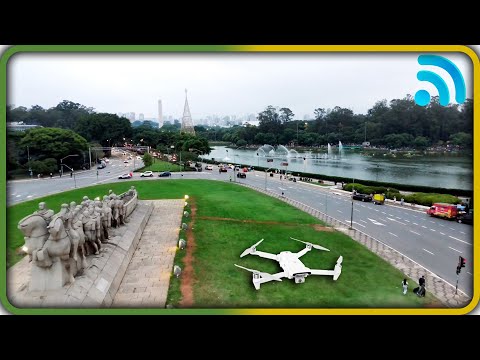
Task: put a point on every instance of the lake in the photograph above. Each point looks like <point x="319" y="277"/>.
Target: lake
<point x="446" y="170"/>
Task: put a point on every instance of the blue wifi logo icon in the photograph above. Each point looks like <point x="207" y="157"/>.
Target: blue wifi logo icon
<point x="422" y="97"/>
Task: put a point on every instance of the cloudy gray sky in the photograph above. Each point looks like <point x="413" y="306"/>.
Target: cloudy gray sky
<point x="222" y="84"/>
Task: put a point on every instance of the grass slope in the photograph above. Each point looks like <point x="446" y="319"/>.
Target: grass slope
<point x="231" y="218"/>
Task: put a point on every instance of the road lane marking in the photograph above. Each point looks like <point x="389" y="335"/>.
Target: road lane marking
<point x="362" y="205"/>
<point x="340" y="211"/>
<point x="469" y="273"/>
<point x="459" y="240"/>
<point x="452" y="229"/>
<point x="414" y="232"/>
<point x="354" y="222"/>
<point x="424" y="227"/>
<point x="428" y="251"/>
<point x="392" y="234"/>
<point x="399" y="218"/>
<point x="396" y="221"/>
<point x="376" y="222"/>
<point x="18" y="196"/>
<point x="364" y="221"/>
<point x="414" y="223"/>
<point x="356" y="210"/>
<point x="433" y="222"/>
<point x="406" y="220"/>
<point x="441" y="233"/>
<point x="461" y="232"/>
<point x="414" y="216"/>
<point x="29" y="196"/>
<point x="432" y="230"/>
<point x="384" y="213"/>
<point x="376" y="210"/>
<point x="441" y="225"/>
<point x="455" y="249"/>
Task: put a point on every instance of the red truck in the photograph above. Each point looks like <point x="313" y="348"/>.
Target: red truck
<point x="443" y="210"/>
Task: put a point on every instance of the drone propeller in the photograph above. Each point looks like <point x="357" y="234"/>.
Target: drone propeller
<point x="250" y="249"/>
<point x="318" y="247"/>
<point x="262" y="274"/>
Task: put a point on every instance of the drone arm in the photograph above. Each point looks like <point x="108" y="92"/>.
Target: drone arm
<point x="303" y="252"/>
<point x="264" y="255"/>
<point x="263" y="280"/>
<point x="322" y="272"/>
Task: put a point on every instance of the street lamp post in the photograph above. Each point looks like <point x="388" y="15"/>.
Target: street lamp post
<point x="29" y="165"/>
<point x="351" y="215"/>
<point x="61" y="162"/>
<point x="377" y="172"/>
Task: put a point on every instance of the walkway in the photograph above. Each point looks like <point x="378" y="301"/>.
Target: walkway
<point x="147" y="278"/>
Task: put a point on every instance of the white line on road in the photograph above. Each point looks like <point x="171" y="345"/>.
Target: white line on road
<point x="399" y="218"/>
<point x="455" y="249"/>
<point x="362" y="205"/>
<point x="384" y="213"/>
<point x="441" y="233"/>
<point x="414" y="232"/>
<point x="461" y="232"/>
<point x="424" y="227"/>
<point x="433" y="222"/>
<point x="364" y="221"/>
<point x="29" y="196"/>
<point x="441" y="225"/>
<point x="414" y="216"/>
<point x="469" y="273"/>
<point x="459" y="240"/>
<point x="406" y="220"/>
<point x="428" y="251"/>
<point x="414" y="223"/>
<point x="18" y="196"/>
<point x="376" y="210"/>
<point x="392" y="234"/>
<point x="432" y="230"/>
<point x="356" y="210"/>
<point x="452" y="229"/>
<point x="396" y="221"/>
<point x="340" y="211"/>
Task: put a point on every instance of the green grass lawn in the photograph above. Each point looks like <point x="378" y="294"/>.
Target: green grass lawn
<point x="161" y="166"/>
<point x="366" y="279"/>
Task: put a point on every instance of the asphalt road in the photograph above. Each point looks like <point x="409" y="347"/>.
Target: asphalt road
<point x="433" y="243"/>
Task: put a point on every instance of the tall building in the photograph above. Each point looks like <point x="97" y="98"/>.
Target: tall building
<point x="141" y="117"/>
<point x="187" y="122"/>
<point x="160" y="114"/>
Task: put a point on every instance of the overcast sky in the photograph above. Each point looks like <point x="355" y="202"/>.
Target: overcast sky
<point x="222" y="84"/>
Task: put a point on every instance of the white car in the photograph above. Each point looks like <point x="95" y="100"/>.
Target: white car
<point x="208" y="167"/>
<point x="147" y="174"/>
<point x="125" y="176"/>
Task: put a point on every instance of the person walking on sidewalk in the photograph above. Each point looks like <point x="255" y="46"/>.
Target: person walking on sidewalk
<point x="405" y="286"/>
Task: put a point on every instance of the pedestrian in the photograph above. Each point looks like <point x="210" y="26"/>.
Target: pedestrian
<point x="51" y="175"/>
<point x="282" y="193"/>
<point x="230" y="178"/>
<point x="405" y="286"/>
<point x="394" y="199"/>
<point x="421" y="282"/>
<point x="38" y="176"/>
<point x="401" y="201"/>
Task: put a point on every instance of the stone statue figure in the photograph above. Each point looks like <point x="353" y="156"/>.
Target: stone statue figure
<point x="101" y="217"/>
<point x="121" y="210"/>
<point x="56" y="251"/>
<point x="85" y="201"/>
<point x="90" y="226"/>
<point x="115" y="210"/>
<point x="77" y="237"/>
<point x="44" y="212"/>
<point x="107" y="220"/>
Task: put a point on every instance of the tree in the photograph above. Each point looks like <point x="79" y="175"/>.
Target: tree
<point x="462" y="139"/>
<point x="286" y="115"/>
<point x="147" y="159"/>
<point x="54" y="143"/>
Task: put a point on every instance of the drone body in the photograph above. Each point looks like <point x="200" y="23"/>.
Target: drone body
<point x="292" y="267"/>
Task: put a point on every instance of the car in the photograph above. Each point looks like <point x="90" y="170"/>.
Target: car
<point x="208" y="167"/>
<point x="147" y="174"/>
<point x="125" y="176"/>
<point x="362" y="197"/>
<point x="241" y="175"/>
<point x="125" y="161"/>
<point x="165" y="174"/>
<point x="466" y="218"/>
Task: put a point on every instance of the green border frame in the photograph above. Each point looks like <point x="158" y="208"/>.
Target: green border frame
<point x="9" y="52"/>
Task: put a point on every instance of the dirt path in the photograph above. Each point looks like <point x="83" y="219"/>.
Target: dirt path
<point x="188" y="276"/>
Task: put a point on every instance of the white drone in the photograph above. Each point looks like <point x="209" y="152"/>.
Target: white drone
<point x="290" y="263"/>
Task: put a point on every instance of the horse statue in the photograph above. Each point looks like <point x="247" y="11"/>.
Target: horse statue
<point x="34" y="229"/>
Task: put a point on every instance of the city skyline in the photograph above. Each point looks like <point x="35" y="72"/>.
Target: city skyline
<point x="231" y="84"/>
